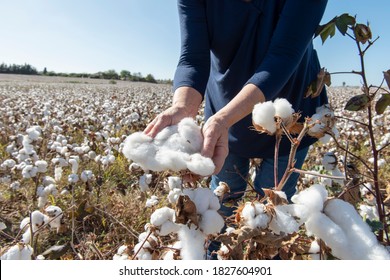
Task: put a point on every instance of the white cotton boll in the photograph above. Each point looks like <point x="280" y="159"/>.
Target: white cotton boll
<point x="29" y="171"/>
<point x="58" y="173"/>
<point x="202" y="197"/>
<point x="2" y="226"/>
<point x="369" y="212"/>
<point x="282" y="222"/>
<point x="324" y="228"/>
<point x="299" y="211"/>
<point x="173" y="195"/>
<point x="313" y="198"/>
<point x="381" y="162"/>
<point x="9" y="163"/>
<point x="363" y="242"/>
<point x="144" y="182"/>
<point x="329" y="161"/>
<point x="192" y="242"/>
<point x="365" y="189"/>
<point x="121" y="253"/>
<point x="47" y="180"/>
<point x="162" y="215"/>
<point x="211" y="222"/>
<point x="259" y="207"/>
<point x="326" y="181"/>
<point x="261" y="220"/>
<point x="134" y="167"/>
<point x="165" y="134"/>
<point x="248" y="214"/>
<point x="42" y="200"/>
<point x="168" y="227"/>
<point x="172" y="160"/>
<point x="263" y="115"/>
<point x="18" y="252"/>
<point x="73" y="178"/>
<point x="191" y="133"/>
<point x="201" y="165"/>
<point x="92" y="155"/>
<point x="34" y="132"/>
<point x="75" y="164"/>
<point x="325" y="139"/>
<point x="152" y="201"/>
<point x="41" y="166"/>
<point x="15" y="185"/>
<point x="314" y="247"/>
<point x="283" y="108"/>
<point x="86" y="175"/>
<point x="229" y="230"/>
<point x="337" y="172"/>
<point x="138" y="147"/>
<point x="214" y="203"/>
<point x="174" y="182"/>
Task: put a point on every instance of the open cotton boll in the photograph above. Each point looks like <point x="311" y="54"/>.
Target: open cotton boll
<point x="364" y="244"/>
<point x="18" y="252"/>
<point x="172" y="160"/>
<point x="211" y="222"/>
<point x="41" y="166"/>
<point x="168" y="227"/>
<point x="86" y="175"/>
<point x="174" y="195"/>
<point x="192" y="242"/>
<point x="200" y="165"/>
<point x="248" y="214"/>
<point x="262" y="220"/>
<point x="283" y="108"/>
<point x="329" y="161"/>
<point x="162" y="215"/>
<point x="191" y="133"/>
<point x="369" y="212"/>
<point x="54" y="216"/>
<point x="73" y="178"/>
<point x="139" y="148"/>
<point x="202" y="198"/>
<point x="299" y="211"/>
<point x="152" y="201"/>
<point x="313" y="198"/>
<point x="75" y="164"/>
<point x="282" y="222"/>
<point x="174" y="182"/>
<point x="324" y="228"/>
<point x="121" y="253"/>
<point x="263" y="115"/>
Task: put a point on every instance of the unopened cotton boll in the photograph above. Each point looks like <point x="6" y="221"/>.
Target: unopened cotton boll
<point x="263" y="115"/>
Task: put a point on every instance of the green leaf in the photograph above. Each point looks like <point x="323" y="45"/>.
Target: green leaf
<point x="328" y="31"/>
<point x="343" y="21"/>
<point x="374" y="225"/>
<point x="382" y="104"/>
<point x="357" y="103"/>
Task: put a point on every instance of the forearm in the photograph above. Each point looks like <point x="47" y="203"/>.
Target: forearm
<point x="187" y="98"/>
<point x="241" y="105"/>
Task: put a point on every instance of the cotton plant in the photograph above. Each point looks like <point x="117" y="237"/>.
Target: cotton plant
<point x="193" y="220"/>
<point x="19" y="251"/>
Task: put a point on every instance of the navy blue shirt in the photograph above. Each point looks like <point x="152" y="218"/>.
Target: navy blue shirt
<point x="226" y="44"/>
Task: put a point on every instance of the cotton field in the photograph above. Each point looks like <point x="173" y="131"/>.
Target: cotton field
<point x="79" y="180"/>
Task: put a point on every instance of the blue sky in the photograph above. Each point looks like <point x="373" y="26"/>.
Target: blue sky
<point x="143" y="36"/>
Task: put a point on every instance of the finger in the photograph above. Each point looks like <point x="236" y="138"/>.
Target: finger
<point x="219" y="157"/>
<point x="149" y="127"/>
<point x="160" y="123"/>
<point x="209" y="143"/>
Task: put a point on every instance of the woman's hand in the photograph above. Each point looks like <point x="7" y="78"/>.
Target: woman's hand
<point x="186" y="102"/>
<point x="215" y="143"/>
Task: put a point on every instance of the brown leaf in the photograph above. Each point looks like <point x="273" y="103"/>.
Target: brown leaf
<point x="316" y="86"/>
<point x="274" y="197"/>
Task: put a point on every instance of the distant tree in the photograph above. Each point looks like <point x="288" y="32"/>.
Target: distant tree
<point x="44" y="71"/>
<point x="125" y="75"/>
<point x="150" y="79"/>
<point x="111" y="75"/>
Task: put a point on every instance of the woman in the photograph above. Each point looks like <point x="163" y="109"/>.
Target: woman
<point x="235" y="54"/>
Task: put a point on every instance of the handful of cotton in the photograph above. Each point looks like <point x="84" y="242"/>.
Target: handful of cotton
<point x="175" y="148"/>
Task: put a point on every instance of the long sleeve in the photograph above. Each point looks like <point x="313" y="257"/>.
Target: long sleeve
<point x="293" y="34"/>
<point x="194" y="64"/>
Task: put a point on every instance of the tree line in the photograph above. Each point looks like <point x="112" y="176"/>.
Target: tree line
<point x="111" y="74"/>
